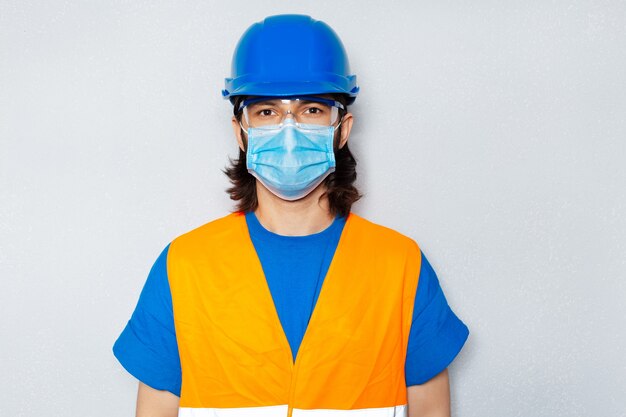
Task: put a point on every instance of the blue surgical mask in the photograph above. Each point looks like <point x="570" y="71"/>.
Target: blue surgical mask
<point x="291" y="159"/>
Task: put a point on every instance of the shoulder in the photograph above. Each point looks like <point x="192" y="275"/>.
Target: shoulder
<point x="213" y="228"/>
<point x="382" y="236"/>
<point x="216" y="233"/>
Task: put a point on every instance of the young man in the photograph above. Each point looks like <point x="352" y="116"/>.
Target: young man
<point x="292" y="305"/>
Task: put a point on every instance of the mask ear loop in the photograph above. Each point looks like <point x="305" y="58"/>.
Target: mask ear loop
<point x="243" y="128"/>
<point x="336" y="128"/>
<point x="340" y="119"/>
<point x="242" y="111"/>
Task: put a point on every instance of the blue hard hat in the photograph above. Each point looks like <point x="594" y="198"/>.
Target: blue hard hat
<point x="290" y="55"/>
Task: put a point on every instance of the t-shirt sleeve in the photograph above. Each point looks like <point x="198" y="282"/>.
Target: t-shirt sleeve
<point x="437" y="334"/>
<point x="147" y="346"/>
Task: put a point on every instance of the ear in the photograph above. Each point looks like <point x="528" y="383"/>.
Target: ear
<point x="346" y="127"/>
<point x="238" y="133"/>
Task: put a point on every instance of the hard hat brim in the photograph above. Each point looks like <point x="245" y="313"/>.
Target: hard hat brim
<point x="289" y="88"/>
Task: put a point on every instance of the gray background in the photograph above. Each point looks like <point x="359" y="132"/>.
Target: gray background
<point x="490" y="132"/>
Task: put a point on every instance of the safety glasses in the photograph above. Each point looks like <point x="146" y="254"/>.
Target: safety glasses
<point x="260" y="112"/>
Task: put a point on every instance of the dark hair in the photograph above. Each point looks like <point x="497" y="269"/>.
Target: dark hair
<point x="340" y="189"/>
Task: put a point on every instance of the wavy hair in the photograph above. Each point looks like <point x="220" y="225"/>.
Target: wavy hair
<point x="340" y="189"/>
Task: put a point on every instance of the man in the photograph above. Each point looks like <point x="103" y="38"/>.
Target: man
<point x="292" y="305"/>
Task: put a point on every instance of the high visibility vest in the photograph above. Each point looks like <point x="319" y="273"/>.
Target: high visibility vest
<point x="236" y="360"/>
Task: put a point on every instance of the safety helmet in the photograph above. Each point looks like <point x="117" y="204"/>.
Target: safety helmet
<point x="290" y="55"/>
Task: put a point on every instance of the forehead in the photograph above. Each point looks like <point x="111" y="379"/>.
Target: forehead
<point x="279" y="101"/>
<point x="286" y="100"/>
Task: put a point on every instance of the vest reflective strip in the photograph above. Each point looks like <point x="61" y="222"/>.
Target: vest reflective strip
<point x="281" y="411"/>
<point x="269" y="411"/>
<point x="397" y="411"/>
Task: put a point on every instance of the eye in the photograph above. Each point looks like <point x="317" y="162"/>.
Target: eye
<point x="264" y="112"/>
<point x="314" y="110"/>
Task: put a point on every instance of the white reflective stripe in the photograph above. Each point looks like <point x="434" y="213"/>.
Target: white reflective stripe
<point x="281" y="411"/>
<point x="269" y="411"/>
<point x="397" y="411"/>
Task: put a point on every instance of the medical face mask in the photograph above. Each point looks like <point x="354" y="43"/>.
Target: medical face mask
<point x="291" y="159"/>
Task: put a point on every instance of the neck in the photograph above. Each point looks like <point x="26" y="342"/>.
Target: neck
<point x="302" y="217"/>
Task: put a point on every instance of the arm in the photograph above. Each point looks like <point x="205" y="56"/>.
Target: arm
<point x="147" y="347"/>
<point x="155" y="403"/>
<point x="431" y="399"/>
<point x="436" y="337"/>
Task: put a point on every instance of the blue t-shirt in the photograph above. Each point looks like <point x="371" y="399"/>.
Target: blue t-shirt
<point x="295" y="268"/>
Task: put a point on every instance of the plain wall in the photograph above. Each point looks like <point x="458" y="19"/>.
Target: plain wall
<point x="493" y="133"/>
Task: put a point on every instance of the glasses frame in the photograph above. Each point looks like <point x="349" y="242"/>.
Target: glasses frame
<point x="314" y="99"/>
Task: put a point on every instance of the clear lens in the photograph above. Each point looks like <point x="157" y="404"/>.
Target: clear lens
<point x="272" y="112"/>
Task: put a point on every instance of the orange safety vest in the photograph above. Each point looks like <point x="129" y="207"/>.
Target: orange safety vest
<point x="235" y="358"/>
